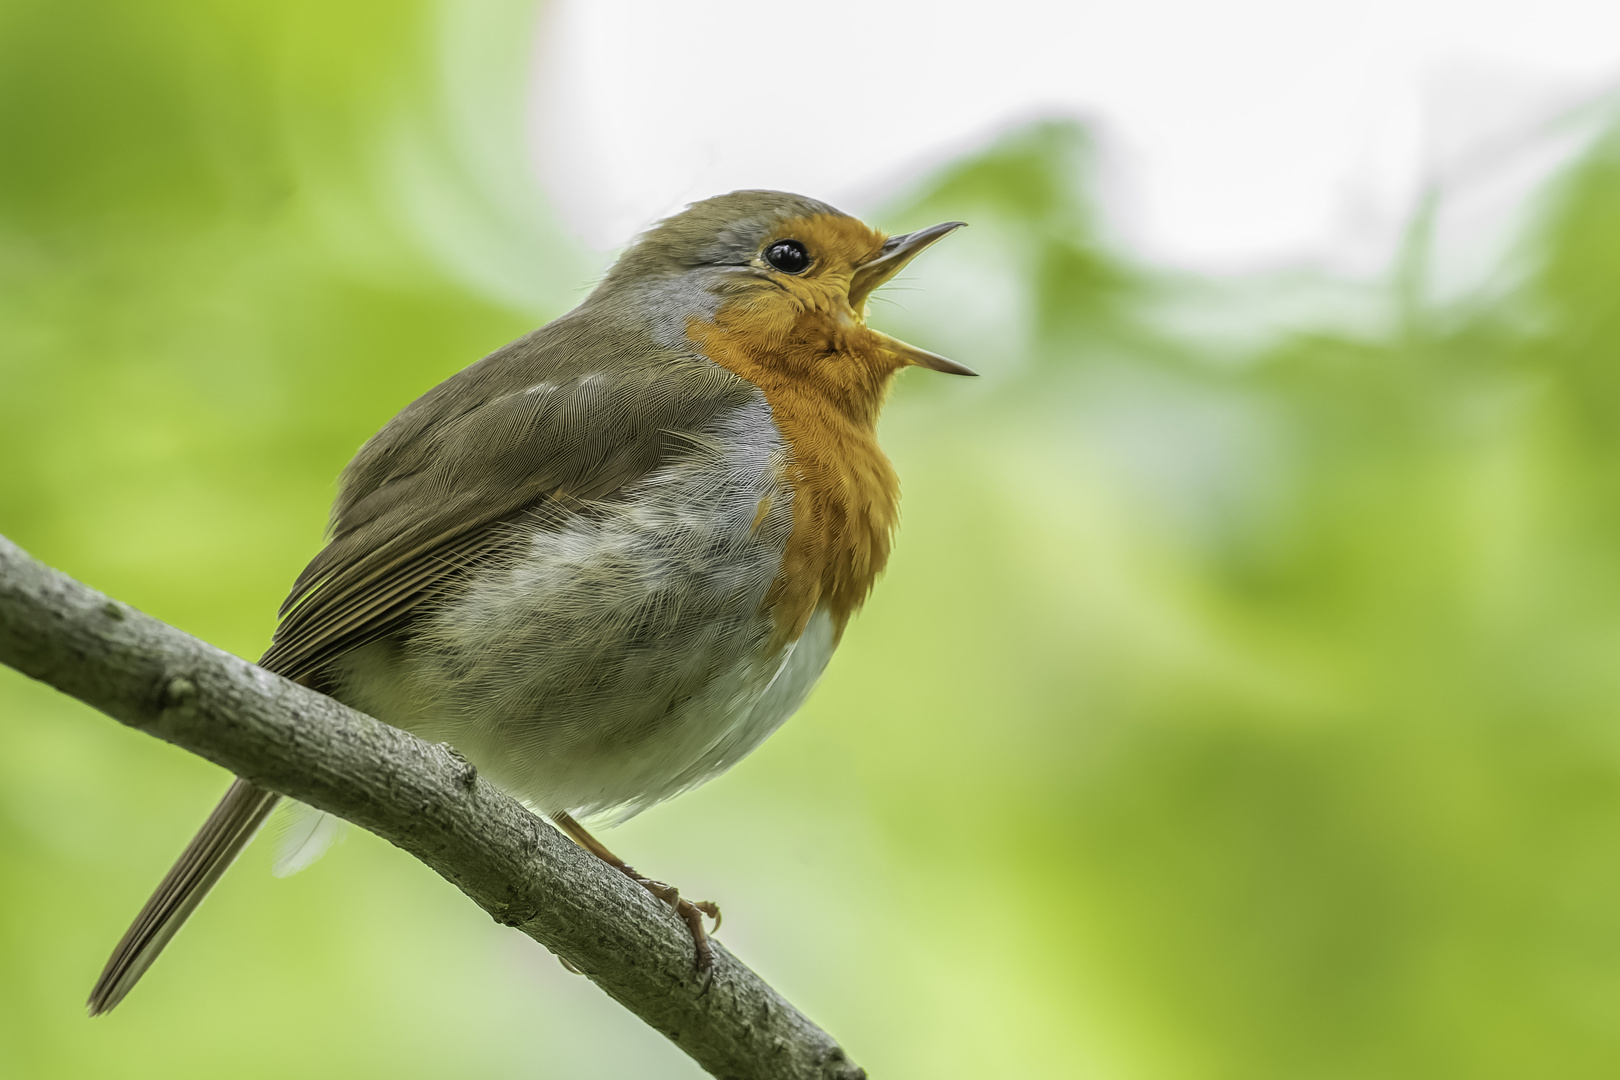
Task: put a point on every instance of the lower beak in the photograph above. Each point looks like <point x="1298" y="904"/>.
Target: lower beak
<point x="899" y="251"/>
<point x="916" y="357"/>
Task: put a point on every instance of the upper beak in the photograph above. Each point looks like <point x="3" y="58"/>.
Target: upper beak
<point x="896" y="253"/>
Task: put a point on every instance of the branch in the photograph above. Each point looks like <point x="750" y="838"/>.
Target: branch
<point x="417" y="796"/>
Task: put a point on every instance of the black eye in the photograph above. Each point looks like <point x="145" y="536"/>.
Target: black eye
<point x="788" y="256"/>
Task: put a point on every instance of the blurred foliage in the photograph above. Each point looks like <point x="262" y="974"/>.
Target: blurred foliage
<point x="1233" y="707"/>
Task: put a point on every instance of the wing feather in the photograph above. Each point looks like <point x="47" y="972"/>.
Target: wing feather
<point x="567" y="413"/>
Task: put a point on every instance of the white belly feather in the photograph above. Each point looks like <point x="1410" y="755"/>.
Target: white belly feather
<point x="622" y="656"/>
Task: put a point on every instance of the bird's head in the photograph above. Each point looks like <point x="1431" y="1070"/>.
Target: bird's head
<point x="774" y="286"/>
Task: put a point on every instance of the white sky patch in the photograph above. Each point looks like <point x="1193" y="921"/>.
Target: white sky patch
<point x="1245" y="135"/>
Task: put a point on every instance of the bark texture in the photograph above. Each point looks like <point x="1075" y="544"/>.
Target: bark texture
<point x="418" y="796"/>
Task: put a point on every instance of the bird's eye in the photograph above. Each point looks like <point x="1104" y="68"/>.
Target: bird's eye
<point x="788" y="256"/>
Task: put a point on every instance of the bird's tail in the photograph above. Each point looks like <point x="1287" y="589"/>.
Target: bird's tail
<point x="223" y="836"/>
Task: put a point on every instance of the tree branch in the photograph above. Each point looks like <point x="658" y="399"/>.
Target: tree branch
<point x="419" y="797"/>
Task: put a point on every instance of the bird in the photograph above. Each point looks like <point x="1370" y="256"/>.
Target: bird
<point x="606" y="561"/>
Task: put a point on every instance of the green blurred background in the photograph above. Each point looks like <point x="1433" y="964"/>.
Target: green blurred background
<point x="1238" y="704"/>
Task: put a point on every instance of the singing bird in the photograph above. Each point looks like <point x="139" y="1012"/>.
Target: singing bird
<point x="606" y="561"/>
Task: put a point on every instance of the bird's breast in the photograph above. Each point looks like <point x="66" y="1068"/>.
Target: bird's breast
<point x="824" y="396"/>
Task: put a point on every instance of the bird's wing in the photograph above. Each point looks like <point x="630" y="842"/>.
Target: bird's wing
<point x="565" y="413"/>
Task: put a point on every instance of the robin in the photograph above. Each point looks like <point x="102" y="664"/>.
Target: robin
<point x="607" y="560"/>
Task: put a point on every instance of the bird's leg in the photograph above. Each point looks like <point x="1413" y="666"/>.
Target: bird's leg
<point x="690" y="911"/>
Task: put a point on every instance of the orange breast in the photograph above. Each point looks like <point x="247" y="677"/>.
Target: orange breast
<point x="825" y="383"/>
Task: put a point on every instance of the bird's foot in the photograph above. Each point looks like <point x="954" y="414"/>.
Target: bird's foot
<point x="691" y="913"/>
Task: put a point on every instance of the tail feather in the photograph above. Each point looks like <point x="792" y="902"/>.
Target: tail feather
<point x="223" y="836"/>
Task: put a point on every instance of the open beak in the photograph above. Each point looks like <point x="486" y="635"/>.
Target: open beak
<point x="896" y="253"/>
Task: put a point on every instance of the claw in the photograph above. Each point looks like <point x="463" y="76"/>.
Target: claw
<point x="712" y="910"/>
<point x="691" y="914"/>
